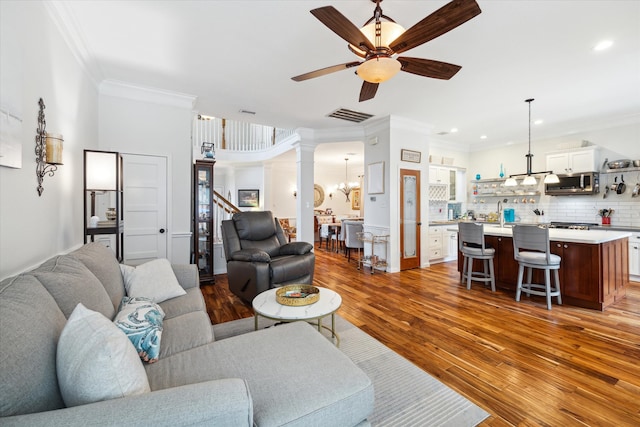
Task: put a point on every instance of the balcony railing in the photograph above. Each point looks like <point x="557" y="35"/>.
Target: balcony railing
<point x="236" y="136"/>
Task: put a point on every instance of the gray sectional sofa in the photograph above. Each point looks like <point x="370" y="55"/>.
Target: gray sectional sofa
<point x="287" y="375"/>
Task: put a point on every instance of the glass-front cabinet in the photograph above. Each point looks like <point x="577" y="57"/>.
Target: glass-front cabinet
<point x="203" y="219"/>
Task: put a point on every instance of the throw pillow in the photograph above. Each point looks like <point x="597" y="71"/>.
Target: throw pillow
<point x="95" y="361"/>
<point x="141" y="320"/>
<point x="154" y="279"/>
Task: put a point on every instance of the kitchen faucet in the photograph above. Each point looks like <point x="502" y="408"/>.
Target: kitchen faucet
<point x="500" y="214"/>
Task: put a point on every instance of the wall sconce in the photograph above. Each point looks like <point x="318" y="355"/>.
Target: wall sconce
<point x="207" y="150"/>
<point x="48" y="150"/>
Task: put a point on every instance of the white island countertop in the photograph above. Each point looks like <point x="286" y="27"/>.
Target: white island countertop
<point x="593" y="237"/>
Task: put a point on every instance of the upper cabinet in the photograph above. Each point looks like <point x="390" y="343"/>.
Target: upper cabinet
<point x="439" y="175"/>
<point x="573" y="161"/>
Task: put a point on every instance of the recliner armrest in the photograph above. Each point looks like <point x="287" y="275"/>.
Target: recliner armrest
<point x="251" y="255"/>
<point x="295" y="248"/>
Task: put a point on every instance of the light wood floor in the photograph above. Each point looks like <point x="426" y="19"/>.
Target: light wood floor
<point x="524" y="365"/>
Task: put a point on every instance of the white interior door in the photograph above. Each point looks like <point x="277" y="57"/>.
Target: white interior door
<point x="145" y="208"/>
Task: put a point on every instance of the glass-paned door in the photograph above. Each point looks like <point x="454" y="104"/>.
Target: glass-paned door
<point x="409" y="219"/>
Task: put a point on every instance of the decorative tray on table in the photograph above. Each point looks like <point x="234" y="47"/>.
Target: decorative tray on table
<point x="297" y="295"/>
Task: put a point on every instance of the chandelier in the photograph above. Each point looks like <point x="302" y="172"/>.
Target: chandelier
<point x="347" y="186"/>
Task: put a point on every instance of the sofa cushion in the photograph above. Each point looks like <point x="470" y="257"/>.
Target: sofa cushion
<point x="141" y="320"/>
<point x="70" y="282"/>
<point x="96" y="361"/>
<point x="190" y="302"/>
<point x="342" y="394"/>
<point x="185" y="332"/>
<point x="102" y="262"/>
<point x="30" y="324"/>
<point x="154" y="279"/>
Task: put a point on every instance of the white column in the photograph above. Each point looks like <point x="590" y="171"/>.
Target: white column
<point x="304" y="200"/>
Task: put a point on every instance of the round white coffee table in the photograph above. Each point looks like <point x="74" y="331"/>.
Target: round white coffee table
<point x="265" y="305"/>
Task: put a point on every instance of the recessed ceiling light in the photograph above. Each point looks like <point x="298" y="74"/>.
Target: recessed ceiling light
<point x="483" y="137"/>
<point x="538" y="122"/>
<point x="454" y="130"/>
<point x="604" y="44"/>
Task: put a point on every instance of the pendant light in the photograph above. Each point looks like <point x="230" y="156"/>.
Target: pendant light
<point x="529" y="179"/>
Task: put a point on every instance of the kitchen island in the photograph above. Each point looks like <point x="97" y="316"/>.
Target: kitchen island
<point x="594" y="271"/>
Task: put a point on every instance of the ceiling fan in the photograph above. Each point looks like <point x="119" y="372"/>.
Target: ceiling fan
<point x="379" y="41"/>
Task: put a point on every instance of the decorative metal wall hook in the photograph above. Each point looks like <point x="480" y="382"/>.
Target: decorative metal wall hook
<point x="46" y="163"/>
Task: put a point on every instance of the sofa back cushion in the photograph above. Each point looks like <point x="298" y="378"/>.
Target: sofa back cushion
<point x="103" y="264"/>
<point x="31" y="323"/>
<point x="70" y="282"/>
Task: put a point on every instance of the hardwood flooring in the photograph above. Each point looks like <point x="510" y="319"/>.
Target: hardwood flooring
<point x="523" y="364"/>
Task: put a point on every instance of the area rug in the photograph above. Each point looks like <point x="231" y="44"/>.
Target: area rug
<point x="405" y="395"/>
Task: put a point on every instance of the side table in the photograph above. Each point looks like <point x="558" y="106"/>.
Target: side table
<point x="265" y="305"/>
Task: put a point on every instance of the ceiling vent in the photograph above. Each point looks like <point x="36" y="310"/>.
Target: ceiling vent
<point x="350" y="115"/>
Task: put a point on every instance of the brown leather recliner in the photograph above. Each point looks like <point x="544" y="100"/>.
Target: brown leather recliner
<point x="259" y="257"/>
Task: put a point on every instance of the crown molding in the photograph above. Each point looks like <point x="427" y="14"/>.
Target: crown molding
<point x="67" y="25"/>
<point x="134" y="92"/>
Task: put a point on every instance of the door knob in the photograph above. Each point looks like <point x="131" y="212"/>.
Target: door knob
<point x="162" y="231"/>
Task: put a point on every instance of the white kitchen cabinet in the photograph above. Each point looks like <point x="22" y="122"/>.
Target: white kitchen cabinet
<point x="634" y="257"/>
<point x="574" y="161"/>
<point x="443" y="244"/>
<point x="435" y="243"/>
<point x="451" y="240"/>
<point x="439" y="175"/>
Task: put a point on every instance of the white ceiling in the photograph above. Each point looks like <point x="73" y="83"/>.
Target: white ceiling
<point x="241" y="55"/>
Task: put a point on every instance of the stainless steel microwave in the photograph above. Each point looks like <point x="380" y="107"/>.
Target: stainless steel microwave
<point x="575" y="184"/>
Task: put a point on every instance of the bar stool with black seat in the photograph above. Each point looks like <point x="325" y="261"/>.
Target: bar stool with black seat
<point x="531" y="250"/>
<point x="471" y="245"/>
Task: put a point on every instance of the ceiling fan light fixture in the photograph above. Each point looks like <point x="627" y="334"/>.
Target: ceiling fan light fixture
<point x="389" y="31"/>
<point x="378" y="69"/>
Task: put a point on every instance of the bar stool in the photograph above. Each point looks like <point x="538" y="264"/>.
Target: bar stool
<point x="471" y="245"/>
<point x="531" y="250"/>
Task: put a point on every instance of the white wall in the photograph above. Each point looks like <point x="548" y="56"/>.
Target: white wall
<point x="37" y="63"/>
<point x="154" y="126"/>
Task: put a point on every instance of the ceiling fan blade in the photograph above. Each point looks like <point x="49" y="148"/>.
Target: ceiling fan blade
<point x="428" y="67"/>
<point x="340" y="25"/>
<point x="325" y="71"/>
<point x="368" y="91"/>
<point x="439" y="22"/>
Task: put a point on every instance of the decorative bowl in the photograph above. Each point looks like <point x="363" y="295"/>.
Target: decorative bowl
<point x="619" y="164"/>
<point x="297" y="295"/>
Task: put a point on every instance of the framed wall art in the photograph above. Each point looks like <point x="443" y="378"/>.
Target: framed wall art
<point x="355" y="199"/>
<point x="410" y="156"/>
<point x="376" y="178"/>
<point x="248" y="198"/>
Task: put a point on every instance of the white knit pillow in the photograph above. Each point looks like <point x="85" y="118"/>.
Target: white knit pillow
<point x="95" y="360"/>
<point x="154" y="279"/>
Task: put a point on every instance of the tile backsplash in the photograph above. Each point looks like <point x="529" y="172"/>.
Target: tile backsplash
<point x="569" y="209"/>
